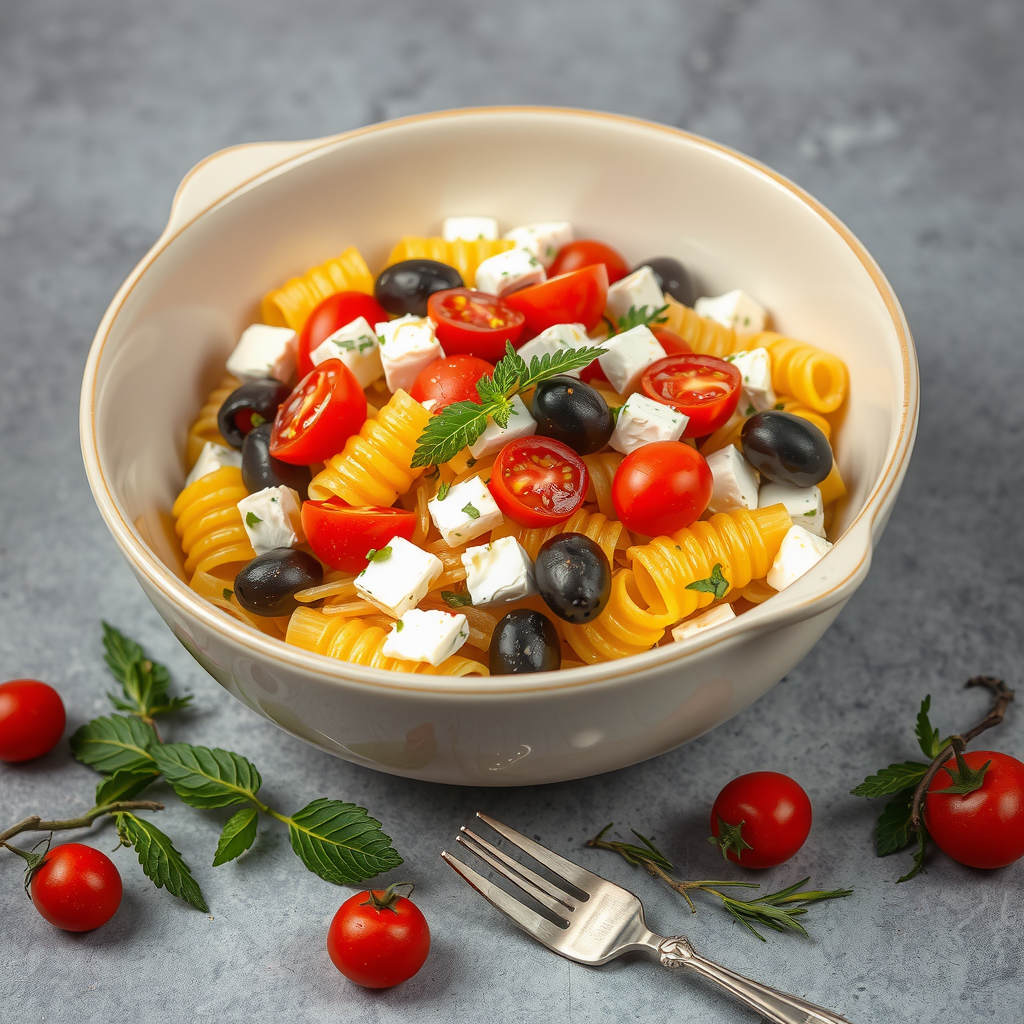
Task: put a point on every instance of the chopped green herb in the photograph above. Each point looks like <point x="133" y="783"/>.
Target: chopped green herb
<point x="399" y="626"/>
<point x="471" y="511"/>
<point x="257" y="420"/>
<point x="442" y="491"/>
<point x="228" y="593"/>
<point x="715" y="584"/>
<point x="641" y="317"/>
<point x="251" y="519"/>
<point x="470" y="462"/>
<point x="454" y="600"/>
<point x="373" y="555"/>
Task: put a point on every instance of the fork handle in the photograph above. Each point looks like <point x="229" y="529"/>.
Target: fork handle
<point x="773" y="1005"/>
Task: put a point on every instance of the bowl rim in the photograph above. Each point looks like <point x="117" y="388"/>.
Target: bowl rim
<point x="143" y="560"/>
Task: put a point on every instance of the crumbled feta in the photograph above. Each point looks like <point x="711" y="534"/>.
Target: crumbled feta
<point x="357" y="347"/>
<point x="802" y="503"/>
<point x="407" y="345"/>
<point x="716" y="616"/>
<point x="642" y="420"/>
<point x="426" y="636"/>
<point x="735" y="480"/>
<point x="800" y="552"/>
<point x="494" y="438"/>
<point x="465" y="512"/>
<point x="264" y="351"/>
<point x="734" y="309"/>
<point x="542" y="240"/>
<point x="499" y="571"/>
<point x="557" y="339"/>
<point x="755" y="369"/>
<point x="626" y="357"/>
<point x="470" y="228"/>
<point x="508" y="272"/>
<point x="398" y="576"/>
<point x="213" y="457"/>
<point x="272" y="519"/>
<point x="638" y="291"/>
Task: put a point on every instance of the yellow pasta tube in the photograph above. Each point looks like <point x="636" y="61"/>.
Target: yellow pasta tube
<point x="463" y="254"/>
<point x="607" y="534"/>
<point x="832" y="487"/>
<point x="601" y="468"/>
<point x="702" y="335"/>
<point x="209" y="524"/>
<point x="816" y="377"/>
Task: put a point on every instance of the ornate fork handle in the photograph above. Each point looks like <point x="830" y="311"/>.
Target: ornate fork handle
<point x="773" y="1005"/>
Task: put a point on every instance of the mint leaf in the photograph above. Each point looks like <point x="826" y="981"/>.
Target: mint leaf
<point x="144" y="683"/>
<point x="471" y="511"/>
<point x="927" y="737"/>
<point x="124" y="785"/>
<point x="204" y="777"/>
<point x="715" y="584"/>
<point x="454" y="600"/>
<point x="893" y="831"/>
<point x="238" y="835"/>
<point x="893" y="779"/>
<point x="160" y="861"/>
<point x="114" y="744"/>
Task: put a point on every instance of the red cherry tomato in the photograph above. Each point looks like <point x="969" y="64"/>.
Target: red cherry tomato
<point x="538" y="481"/>
<point x="705" y="388"/>
<point x="335" y="312"/>
<point x="474" y="323"/>
<point x="575" y="298"/>
<point x="761" y="819"/>
<point x="661" y="487"/>
<point x="670" y="341"/>
<point x="378" y="939"/>
<point x="984" y="828"/>
<point x="449" y="380"/>
<point x="340" y="535"/>
<point x="76" y="888"/>
<point x="318" y="417"/>
<point x="32" y="719"/>
<point x="585" y="252"/>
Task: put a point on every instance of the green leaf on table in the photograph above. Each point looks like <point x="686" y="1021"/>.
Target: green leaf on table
<point x="922" y="844"/>
<point x="238" y="835"/>
<point x="144" y="683"/>
<point x="205" y="777"/>
<point x="160" y="861"/>
<point x="893" y="779"/>
<point x="124" y="785"/>
<point x="114" y="744"/>
<point x="927" y="737"/>
<point x="340" y="842"/>
<point x="893" y="830"/>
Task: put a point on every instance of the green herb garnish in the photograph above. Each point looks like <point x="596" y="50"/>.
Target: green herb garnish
<point x="373" y="555"/>
<point x="442" y="491"/>
<point x="715" y="584"/>
<point x="251" y="519"/>
<point x="641" y="317"/>
<point x="454" y="600"/>
<point x="471" y="511"/>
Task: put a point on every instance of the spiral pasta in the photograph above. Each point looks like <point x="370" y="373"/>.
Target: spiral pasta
<point x="701" y="333"/>
<point x="601" y="468"/>
<point x="204" y="428"/>
<point x="375" y="465"/>
<point x="214" y="589"/>
<point x="209" y="524"/>
<point x="464" y="254"/>
<point x="816" y="377"/>
<point x="607" y="534"/>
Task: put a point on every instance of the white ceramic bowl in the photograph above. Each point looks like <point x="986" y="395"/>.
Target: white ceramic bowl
<point x="247" y="218"/>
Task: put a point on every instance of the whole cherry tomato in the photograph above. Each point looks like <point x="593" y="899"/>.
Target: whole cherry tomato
<point x="661" y="487"/>
<point x="474" y="323"/>
<point x="538" y="481"/>
<point x="378" y="938"/>
<point x="340" y="535"/>
<point x="761" y="819"/>
<point x="76" y="888"/>
<point x="585" y="252"/>
<point x="335" y="312"/>
<point x="983" y="828"/>
<point x="705" y="388"/>
<point x="670" y="341"/>
<point x="32" y="719"/>
<point x="575" y="298"/>
<point x="449" y="380"/>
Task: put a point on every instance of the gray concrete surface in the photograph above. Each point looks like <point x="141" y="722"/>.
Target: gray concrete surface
<point x="903" y="117"/>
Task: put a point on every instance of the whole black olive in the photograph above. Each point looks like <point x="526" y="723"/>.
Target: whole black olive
<point x="255" y="402"/>
<point x="574" y="413"/>
<point x="260" y="469"/>
<point x="573" y="576"/>
<point x="786" y="448"/>
<point x="673" y="278"/>
<point x="524" y="641"/>
<point x="268" y="584"/>
<point x="403" y="288"/>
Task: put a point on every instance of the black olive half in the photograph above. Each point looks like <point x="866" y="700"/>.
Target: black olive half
<point x="268" y="584"/>
<point x="260" y="469"/>
<point x="673" y="278"/>
<point x="573" y="576"/>
<point x="524" y="641"/>
<point x="786" y="448"/>
<point x="403" y="288"/>
<point x="255" y="402"/>
<point x="574" y="413"/>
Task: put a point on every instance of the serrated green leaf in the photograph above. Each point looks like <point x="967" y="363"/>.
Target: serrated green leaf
<point x="893" y="779"/>
<point x="922" y="845"/>
<point x="508" y="373"/>
<point x="144" y="683"/>
<point x="114" y="744"/>
<point x="205" y="777"/>
<point x="893" y="830"/>
<point x="238" y="835"/>
<point x="501" y="411"/>
<point x="340" y="842"/>
<point x="121" y="652"/>
<point x="642" y="315"/>
<point x="124" y="785"/>
<point x="552" y="364"/>
<point x="160" y="861"/>
<point x="927" y="737"/>
<point x="447" y="433"/>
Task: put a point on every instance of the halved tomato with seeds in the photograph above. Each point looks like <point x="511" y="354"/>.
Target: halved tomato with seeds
<point x="538" y="481"/>
<point x="474" y="323"/>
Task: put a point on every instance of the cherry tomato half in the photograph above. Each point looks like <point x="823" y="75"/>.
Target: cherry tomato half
<point x="76" y="888"/>
<point x="32" y="719"/>
<point x="340" y="534"/>
<point x="318" y="417"/>
<point x="705" y="388"/>
<point x="661" y="487"/>
<point x="538" y="481"/>
<point x="449" y="380"/>
<point x="585" y="252"/>
<point x="335" y="312"/>
<point x="474" y="323"/>
<point x="575" y="298"/>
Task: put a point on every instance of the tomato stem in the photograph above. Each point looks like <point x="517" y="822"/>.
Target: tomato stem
<point x="37" y="824"/>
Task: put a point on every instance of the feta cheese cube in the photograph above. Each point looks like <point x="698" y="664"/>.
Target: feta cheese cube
<point x="508" y="272"/>
<point x="626" y="357"/>
<point x="802" y="503"/>
<point x="542" y="240"/>
<point x="470" y="228"/>
<point x="465" y="512"/>
<point x="272" y="519"/>
<point x="400" y="579"/>
<point x="425" y="636"/>
<point x="557" y="339"/>
<point x="499" y="571"/>
<point x="755" y="368"/>
<point x="735" y="480"/>
<point x="800" y="552"/>
<point x="264" y="351"/>
<point x="357" y="347"/>
<point x="407" y="345"/>
<point x="716" y="616"/>
<point x="735" y="309"/>
<point x="639" y="290"/>
<point x="494" y="438"/>
<point x="213" y="457"/>
<point x="642" y="420"/>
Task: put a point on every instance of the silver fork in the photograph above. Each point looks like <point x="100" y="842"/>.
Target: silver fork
<point x="606" y="922"/>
